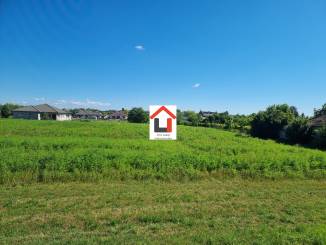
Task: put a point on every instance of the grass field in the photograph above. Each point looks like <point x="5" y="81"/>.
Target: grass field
<point x="100" y="182"/>
<point x="47" y="151"/>
<point x="225" y="211"/>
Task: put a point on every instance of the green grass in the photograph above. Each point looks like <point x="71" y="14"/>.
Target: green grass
<point x="49" y="151"/>
<point x="105" y="182"/>
<point x="224" y="211"/>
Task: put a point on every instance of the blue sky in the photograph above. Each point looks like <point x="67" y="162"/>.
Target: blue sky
<point x="214" y="55"/>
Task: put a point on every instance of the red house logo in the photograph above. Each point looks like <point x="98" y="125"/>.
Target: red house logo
<point x="163" y="122"/>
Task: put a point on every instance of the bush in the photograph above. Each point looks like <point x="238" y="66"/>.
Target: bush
<point x="137" y="115"/>
<point x="268" y="124"/>
<point x="298" y="132"/>
<point x="6" y="110"/>
<point x="319" y="138"/>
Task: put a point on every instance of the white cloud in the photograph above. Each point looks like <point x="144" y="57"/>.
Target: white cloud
<point x="66" y="103"/>
<point x="97" y="103"/>
<point x="140" y="47"/>
<point x="196" y="85"/>
<point x="80" y="103"/>
<point x="39" y="99"/>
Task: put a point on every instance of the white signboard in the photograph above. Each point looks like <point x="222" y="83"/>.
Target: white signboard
<point x="163" y="122"/>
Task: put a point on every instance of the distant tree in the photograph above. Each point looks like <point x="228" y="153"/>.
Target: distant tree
<point x="319" y="138"/>
<point x="192" y="117"/>
<point x="242" y="122"/>
<point x="294" y="111"/>
<point x="222" y="117"/>
<point x="268" y="124"/>
<point x="320" y="112"/>
<point x="298" y="132"/>
<point x="137" y="115"/>
<point x="209" y="119"/>
<point x="6" y="109"/>
<point x="5" y="112"/>
<point x="74" y="111"/>
<point x="229" y="123"/>
<point x="180" y="119"/>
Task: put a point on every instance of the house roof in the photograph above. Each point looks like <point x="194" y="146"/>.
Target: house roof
<point x="163" y="108"/>
<point x="45" y="108"/>
<point x="206" y="113"/>
<point x="318" y="121"/>
<point x="88" y="113"/>
<point x="118" y="113"/>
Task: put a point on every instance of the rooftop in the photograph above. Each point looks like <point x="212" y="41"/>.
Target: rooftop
<point x="45" y="108"/>
<point x="318" y="121"/>
<point x="88" y="113"/>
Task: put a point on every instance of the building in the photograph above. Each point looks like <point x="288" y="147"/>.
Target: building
<point x="117" y="115"/>
<point x="205" y="114"/>
<point x="41" y="112"/>
<point x="318" y="121"/>
<point x="87" y="114"/>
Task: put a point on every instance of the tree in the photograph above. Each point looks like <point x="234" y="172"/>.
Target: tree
<point x="320" y="112"/>
<point x="221" y="118"/>
<point x="137" y="115"/>
<point x="319" y="138"/>
<point x="298" y="132"/>
<point x="192" y="117"/>
<point x="229" y="123"/>
<point x="268" y="124"/>
<point x="180" y="119"/>
<point x="6" y="109"/>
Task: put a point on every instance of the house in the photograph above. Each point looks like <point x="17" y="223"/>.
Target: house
<point x="205" y="114"/>
<point x="318" y="121"/>
<point x="87" y="114"/>
<point x="117" y="115"/>
<point x="41" y="112"/>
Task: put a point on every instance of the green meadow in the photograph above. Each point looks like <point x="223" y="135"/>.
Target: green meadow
<point x="86" y="182"/>
<point x="46" y="151"/>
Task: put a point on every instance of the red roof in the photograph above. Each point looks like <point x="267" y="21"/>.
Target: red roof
<point x="163" y="108"/>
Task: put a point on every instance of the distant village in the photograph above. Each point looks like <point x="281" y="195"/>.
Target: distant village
<point x="48" y="112"/>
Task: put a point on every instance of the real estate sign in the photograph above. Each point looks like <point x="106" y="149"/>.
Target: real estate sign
<point x="163" y="122"/>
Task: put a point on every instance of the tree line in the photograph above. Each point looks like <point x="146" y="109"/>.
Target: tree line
<point x="282" y="123"/>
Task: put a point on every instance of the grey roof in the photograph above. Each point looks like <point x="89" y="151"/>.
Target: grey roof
<point x="206" y="113"/>
<point x="45" y="108"/>
<point x="318" y="121"/>
<point x="88" y="113"/>
<point x="118" y="113"/>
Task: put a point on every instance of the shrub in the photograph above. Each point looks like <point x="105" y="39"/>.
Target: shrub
<point x="6" y="110"/>
<point x="298" y="132"/>
<point x="268" y="124"/>
<point x="319" y="138"/>
<point x="137" y="115"/>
